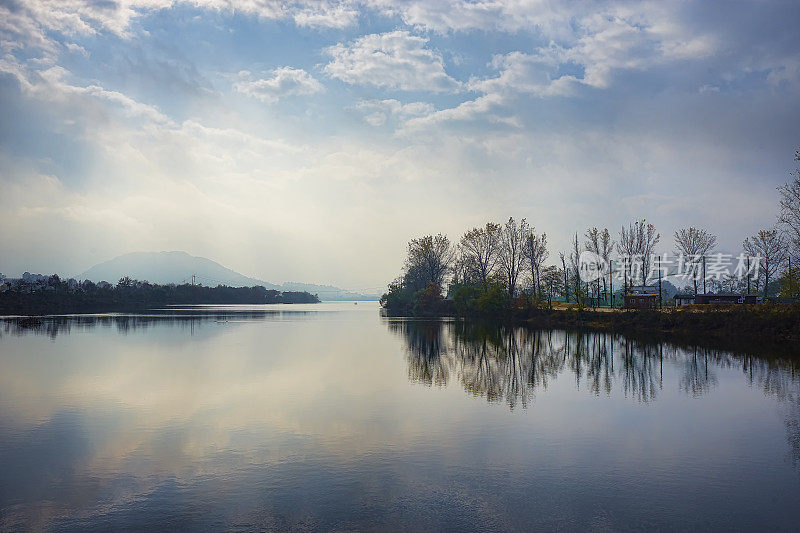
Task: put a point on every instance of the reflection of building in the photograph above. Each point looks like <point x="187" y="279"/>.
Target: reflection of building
<point x="641" y="297"/>
<point x="686" y="299"/>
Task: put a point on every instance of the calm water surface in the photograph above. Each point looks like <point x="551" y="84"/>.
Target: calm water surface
<point x="329" y="416"/>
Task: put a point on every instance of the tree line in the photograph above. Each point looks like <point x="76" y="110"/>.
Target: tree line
<point x="492" y="265"/>
<point x="52" y="295"/>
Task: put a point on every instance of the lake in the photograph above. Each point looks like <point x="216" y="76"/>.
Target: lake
<point x="332" y="417"/>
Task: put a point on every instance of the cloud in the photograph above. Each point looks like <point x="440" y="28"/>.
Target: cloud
<point x="467" y="15"/>
<point x="29" y="23"/>
<point x="376" y="112"/>
<point x="282" y="82"/>
<point x="393" y="60"/>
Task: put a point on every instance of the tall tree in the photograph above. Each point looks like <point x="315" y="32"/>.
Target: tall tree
<point x="513" y="239"/>
<point x="599" y="242"/>
<point x="789" y="216"/>
<point x="770" y="246"/>
<point x="646" y="240"/>
<point x="480" y="251"/>
<point x="626" y="248"/>
<point x="429" y="261"/>
<point x="606" y="248"/>
<point x="564" y="271"/>
<point x="535" y="251"/>
<point x="551" y="280"/>
<point x="575" y="260"/>
<point x="694" y="243"/>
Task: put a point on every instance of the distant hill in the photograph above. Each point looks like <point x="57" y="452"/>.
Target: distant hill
<point x="178" y="267"/>
<point x="169" y="267"/>
<point x="328" y="292"/>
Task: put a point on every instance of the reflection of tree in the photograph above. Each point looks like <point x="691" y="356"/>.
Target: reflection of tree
<point x="424" y="346"/>
<point x="511" y="364"/>
<point x="780" y="378"/>
<point x="182" y="317"/>
<point x="642" y="366"/>
<point x="697" y="379"/>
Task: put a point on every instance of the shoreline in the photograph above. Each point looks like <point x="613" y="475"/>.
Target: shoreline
<point x="771" y="324"/>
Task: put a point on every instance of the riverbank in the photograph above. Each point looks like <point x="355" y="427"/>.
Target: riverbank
<point x="132" y="297"/>
<point x="767" y="322"/>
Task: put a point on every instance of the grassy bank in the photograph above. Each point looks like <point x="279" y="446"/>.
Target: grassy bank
<point x="743" y="324"/>
<point x="761" y="322"/>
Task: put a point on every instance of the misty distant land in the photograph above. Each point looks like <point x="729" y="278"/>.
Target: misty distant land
<point x="178" y="267"/>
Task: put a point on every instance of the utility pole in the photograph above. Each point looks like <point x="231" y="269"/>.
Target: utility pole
<point x="659" y="281"/>
<point x="748" y="274"/>
<point x="704" y="274"/>
<point x="611" y="283"/>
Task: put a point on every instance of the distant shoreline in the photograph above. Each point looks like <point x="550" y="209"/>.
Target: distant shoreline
<point x="54" y="296"/>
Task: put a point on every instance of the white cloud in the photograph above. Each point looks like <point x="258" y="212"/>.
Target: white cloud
<point x="282" y="82"/>
<point x="376" y="112"/>
<point x="28" y="23"/>
<point x="393" y="60"/>
<point x="465" y="15"/>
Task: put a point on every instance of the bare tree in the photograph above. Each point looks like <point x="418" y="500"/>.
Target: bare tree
<point x="694" y="243"/>
<point x="599" y="242"/>
<point x="511" y="251"/>
<point x="646" y="240"/>
<point x="770" y="247"/>
<point x="564" y="270"/>
<point x="535" y="251"/>
<point x="789" y="216"/>
<point x="480" y="251"/>
<point x="606" y="248"/>
<point x="429" y="260"/>
<point x="626" y="248"/>
<point x="575" y="263"/>
<point x="638" y="240"/>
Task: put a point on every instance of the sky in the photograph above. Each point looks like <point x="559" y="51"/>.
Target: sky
<point x="309" y="141"/>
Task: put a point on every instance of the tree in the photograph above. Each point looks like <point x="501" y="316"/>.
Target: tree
<point x="789" y="216"/>
<point x="429" y="260"/>
<point x="770" y="247"/>
<point x="599" y="242"/>
<point x="626" y="248"/>
<point x="511" y="251"/>
<point x="564" y="271"/>
<point x="694" y="243"/>
<point x="646" y="240"/>
<point x="535" y="251"/>
<point x="480" y="251"/>
<point x="606" y="247"/>
<point x="551" y="280"/>
<point x="575" y="260"/>
<point x="790" y="283"/>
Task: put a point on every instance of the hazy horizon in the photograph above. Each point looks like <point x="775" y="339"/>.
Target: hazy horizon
<point x="309" y="141"/>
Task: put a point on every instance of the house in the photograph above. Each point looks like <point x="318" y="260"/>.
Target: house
<point x="726" y="299"/>
<point x="688" y="298"/>
<point x="642" y="297"/>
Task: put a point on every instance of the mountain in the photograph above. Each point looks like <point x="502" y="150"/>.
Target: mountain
<point x="178" y="267"/>
<point x="327" y="292"/>
<point x="169" y="267"/>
